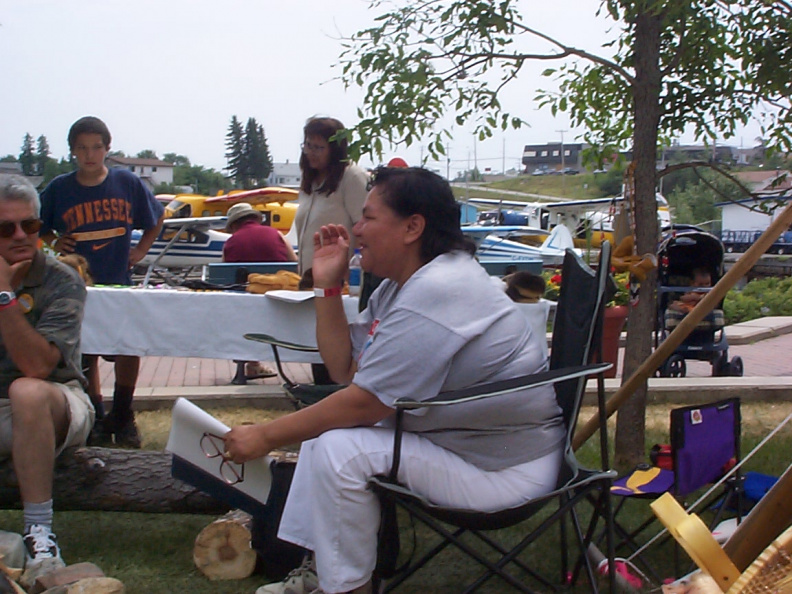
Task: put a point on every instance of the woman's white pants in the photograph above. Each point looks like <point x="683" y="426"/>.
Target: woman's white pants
<point x="331" y="511"/>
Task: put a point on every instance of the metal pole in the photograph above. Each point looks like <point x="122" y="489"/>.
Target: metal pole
<point x="563" y="164"/>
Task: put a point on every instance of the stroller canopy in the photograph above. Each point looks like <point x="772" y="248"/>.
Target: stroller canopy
<point x="680" y="253"/>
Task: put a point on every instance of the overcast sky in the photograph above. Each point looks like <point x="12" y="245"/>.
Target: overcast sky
<point x="168" y="75"/>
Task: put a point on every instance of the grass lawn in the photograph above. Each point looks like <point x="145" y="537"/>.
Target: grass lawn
<point x="152" y="553"/>
<point x="571" y="187"/>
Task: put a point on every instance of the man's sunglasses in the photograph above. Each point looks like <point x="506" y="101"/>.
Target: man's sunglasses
<point x="29" y="226"/>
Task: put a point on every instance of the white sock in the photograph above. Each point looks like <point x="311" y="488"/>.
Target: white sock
<point x="37" y="513"/>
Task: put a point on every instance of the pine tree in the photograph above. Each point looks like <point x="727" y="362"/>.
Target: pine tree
<point x="235" y="156"/>
<point x="262" y="165"/>
<point x="249" y="150"/>
<point x="27" y="157"/>
<point x="42" y="154"/>
<point x="257" y="155"/>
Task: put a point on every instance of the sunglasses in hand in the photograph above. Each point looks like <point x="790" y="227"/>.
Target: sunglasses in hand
<point x="213" y="446"/>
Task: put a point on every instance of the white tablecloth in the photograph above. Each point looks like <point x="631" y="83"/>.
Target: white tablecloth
<point x="170" y="323"/>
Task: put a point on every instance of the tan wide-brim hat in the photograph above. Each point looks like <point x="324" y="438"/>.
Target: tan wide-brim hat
<point x="240" y="211"/>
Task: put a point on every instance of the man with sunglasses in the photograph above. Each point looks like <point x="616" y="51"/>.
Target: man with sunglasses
<point x="92" y="212"/>
<point x="43" y="404"/>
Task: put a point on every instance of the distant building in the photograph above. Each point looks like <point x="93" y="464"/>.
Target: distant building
<point x="153" y="172"/>
<point x="285" y="174"/>
<point x="549" y="156"/>
<point x="746" y="156"/>
<point x="765" y="181"/>
<point x="14" y="167"/>
<point x="738" y="216"/>
<point x="699" y="152"/>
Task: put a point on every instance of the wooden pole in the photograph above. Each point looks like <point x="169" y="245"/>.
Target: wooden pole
<point x="771" y="516"/>
<point x="688" y="323"/>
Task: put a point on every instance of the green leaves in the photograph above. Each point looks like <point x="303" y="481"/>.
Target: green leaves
<point x="426" y="62"/>
<point x="428" y="65"/>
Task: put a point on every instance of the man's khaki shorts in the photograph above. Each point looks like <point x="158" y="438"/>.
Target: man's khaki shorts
<point x="81" y="418"/>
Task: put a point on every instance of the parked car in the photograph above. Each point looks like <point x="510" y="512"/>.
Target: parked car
<point x="568" y="171"/>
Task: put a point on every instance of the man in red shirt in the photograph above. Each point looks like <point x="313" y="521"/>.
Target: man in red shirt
<point x="251" y="241"/>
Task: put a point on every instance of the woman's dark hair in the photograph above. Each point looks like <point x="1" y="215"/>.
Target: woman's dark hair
<point x="325" y="128"/>
<point x="413" y="190"/>
<point x="89" y="125"/>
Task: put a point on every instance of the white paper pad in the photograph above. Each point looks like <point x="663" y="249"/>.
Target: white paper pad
<point x="290" y="296"/>
<point x="188" y="424"/>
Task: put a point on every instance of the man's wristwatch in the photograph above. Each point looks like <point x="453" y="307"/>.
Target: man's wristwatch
<point x="7" y="298"/>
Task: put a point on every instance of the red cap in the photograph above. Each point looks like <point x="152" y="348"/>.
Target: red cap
<point x="397" y="162"/>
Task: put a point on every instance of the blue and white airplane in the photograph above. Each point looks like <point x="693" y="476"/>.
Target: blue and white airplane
<point x="185" y="243"/>
<point x="494" y="243"/>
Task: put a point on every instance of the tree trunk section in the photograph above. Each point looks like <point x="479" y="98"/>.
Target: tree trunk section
<point x="103" y="479"/>
<point x="223" y="549"/>
<point x="631" y="421"/>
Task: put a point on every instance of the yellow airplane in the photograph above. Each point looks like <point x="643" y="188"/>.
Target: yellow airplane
<point x="275" y="203"/>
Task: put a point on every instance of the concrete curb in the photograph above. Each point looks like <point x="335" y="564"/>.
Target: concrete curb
<point x="742" y="333"/>
<point x="755" y="330"/>
<point x="249" y="396"/>
<point x="661" y="390"/>
<point x="684" y="390"/>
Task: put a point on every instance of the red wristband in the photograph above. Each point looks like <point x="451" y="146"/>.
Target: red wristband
<point x="14" y="301"/>
<point x="331" y="292"/>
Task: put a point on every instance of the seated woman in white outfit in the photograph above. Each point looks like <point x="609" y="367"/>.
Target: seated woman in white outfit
<point x="435" y="323"/>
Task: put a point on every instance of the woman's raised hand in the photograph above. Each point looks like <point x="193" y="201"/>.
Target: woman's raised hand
<point x="331" y="256"/>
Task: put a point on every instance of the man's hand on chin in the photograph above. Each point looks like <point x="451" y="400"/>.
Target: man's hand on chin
<point x="11" y="275"/>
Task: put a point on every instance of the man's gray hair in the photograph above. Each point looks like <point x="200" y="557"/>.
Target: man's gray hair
<point x="17" y="187"/>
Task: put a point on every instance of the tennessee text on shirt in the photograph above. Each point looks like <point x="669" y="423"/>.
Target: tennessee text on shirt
<point x="98" y="211"/>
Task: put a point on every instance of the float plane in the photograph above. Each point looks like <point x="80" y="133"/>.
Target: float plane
<point x="579" y="216"/>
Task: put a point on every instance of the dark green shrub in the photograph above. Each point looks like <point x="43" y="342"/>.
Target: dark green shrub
<point x="759" y="298"/>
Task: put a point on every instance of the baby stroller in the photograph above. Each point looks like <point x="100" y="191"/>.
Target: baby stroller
<point x="683" y="255"/>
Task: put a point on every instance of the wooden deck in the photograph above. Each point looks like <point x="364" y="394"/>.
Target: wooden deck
<point x="161" y="372"/>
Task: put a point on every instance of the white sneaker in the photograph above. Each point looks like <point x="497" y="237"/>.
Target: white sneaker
<point x="40" y="544"/>
<point x="302" y="580"/>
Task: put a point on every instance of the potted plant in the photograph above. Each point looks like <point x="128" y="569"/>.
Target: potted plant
<point x="616" y="311"/>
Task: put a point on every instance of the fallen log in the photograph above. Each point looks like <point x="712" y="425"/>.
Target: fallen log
<point x="223" y="549"/>
<point x="105" y="479"/>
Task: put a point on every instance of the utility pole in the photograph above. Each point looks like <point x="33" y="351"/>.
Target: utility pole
<point x="448" y="162"/>
<point x="563" y="163"/>
<point x="475" y="156"/>
<point x="467" y="178"/>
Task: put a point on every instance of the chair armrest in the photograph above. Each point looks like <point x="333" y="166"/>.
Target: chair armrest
<point x="267" y="339"/>
<point x="491" y="389"/>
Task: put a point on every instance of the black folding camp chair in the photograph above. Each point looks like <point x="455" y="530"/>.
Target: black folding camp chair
<point x="577" y="331"/>
<point x="300" y="394"/>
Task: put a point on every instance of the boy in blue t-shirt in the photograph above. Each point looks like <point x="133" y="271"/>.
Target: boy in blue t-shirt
<point x="92" y="212"/>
